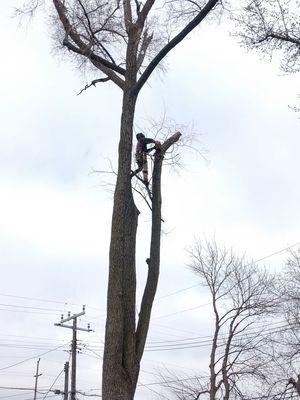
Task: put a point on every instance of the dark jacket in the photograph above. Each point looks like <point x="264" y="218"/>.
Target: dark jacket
<point x="141" y="146"/>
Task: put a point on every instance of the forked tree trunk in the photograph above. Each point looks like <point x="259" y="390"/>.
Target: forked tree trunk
<point x="124" y="343"/>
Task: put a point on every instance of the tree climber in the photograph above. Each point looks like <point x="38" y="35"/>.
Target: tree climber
<point x="141" y="155"/>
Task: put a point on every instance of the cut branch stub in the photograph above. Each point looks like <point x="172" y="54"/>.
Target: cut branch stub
<point x="170" y="141"/>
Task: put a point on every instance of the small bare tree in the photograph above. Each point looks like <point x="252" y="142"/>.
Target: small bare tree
<point x="287" y="340"/>
<point x="242" y="302"/>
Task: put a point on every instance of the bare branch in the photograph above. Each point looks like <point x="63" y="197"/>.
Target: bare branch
<point x="127" y="15"/>
<point x="82" y="49"/>
<point x="271" y="25"/>
<point x="143" y="13"/>
<point x="174" y="42"/>
<point x="95" y="61"/>
<point x="93" y="83"/>
<point x="143" y="49"/>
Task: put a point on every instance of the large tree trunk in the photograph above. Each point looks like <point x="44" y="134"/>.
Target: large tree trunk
<point x="119" y="362"/>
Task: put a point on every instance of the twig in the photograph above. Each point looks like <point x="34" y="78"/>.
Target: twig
<point x="93" y="83"/>
<point x="146" y="186"/>
<point x="145" y="198"/>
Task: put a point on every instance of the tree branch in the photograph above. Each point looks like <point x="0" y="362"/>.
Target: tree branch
<point x="143" y="49"/>
<point x="143" y="13"/>
<point x="137" y="7"/>
<point x="95" y="61"/>
<point x="93" y="83"/>
<point x="91" y="32"/>
<point x="127" y="15"/>
<point x="284" y="38"/>
<point x="174" y="42"/>
<point x="82" y="49"/>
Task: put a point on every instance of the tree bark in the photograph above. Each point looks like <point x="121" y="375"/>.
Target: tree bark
<point x="212" y="364"/>
<point x="154" y="260"/>
<point x="119" y="363"/>
<point x="124" y="346"/>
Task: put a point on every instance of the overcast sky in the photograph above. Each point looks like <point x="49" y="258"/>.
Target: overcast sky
<point x="55" y="215"/>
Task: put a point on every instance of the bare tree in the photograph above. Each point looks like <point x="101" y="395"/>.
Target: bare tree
<point x="242" y="303"/>
<point x="123" y="42"/>
<point x="271" y="25"/>
<point x="287" y="340"/>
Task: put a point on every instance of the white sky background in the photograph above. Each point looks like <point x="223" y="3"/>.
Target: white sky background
<point x="55" y="216"/>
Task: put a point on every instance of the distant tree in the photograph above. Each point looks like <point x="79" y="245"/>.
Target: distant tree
<point x="242" y="302"/>
<point x="272" y="25"/>
<point x="123" y="42"/>
<point x="286" y="341"/>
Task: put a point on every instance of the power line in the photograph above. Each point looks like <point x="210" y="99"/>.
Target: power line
<point x="41" y="398"/>
<point x="16" y="388"/>
<point x="98" y="355"/>
<point x="88" y="395"/>
<point x="253" y="329"/>
<point x="38" y="299"/>
<point x="28" y="337"/>
<point x="183" y="311"/>
<point x="152" y="390"/>
<point x="174" y="329"/>
<point x="55" y="380"/>
<point x="29" y="345"/>
<point x="178" y="291"/>
<point x="32" y="358"/>
<point x="194" y="343"/>
<point x="16" y="395"/>
<point x="26" y="312"/>
<point x="65" y="303"/>
<point x="256" y="261"/>
<point x="29" y="307"/>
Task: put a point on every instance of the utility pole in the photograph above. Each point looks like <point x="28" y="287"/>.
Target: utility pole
<point x="36" y="376"/>
<point x="66" y="388"/>
<point x="74" y="353"/>
<point x="74" y="345"/>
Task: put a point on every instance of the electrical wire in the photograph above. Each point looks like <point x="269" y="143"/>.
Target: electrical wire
<point x="152" y="390"/>
<point x="98" y="355"/>
<point x="254" y="262"/>
<point x="178" y="291"/>
<point x="33" y="358"/>
<point x="18" y="394"/>
<point x="182" y="311"/>
<point x="27" y="312"/>
<point x="55" y="380"/>
<point x="29" y="307"/>
<point x="65" y="303"/>
<point x="41" y="398"/>
<point x="26" y="337"/>
<point x="192" y="343"/>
